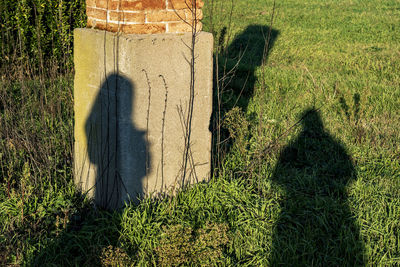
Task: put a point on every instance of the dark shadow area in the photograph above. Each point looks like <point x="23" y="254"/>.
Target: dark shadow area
<point x="238" y="62"/>
<point x="316" y="226"/>
<point x="118" y="152"/>
<point x="115" y="146"/>
<point x="235" y="79"/>
<point x="83" y="242"/>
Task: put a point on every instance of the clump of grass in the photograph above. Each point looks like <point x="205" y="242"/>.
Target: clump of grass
<point x="238" y="127"/>
<point x="114" y="256"/>
<point x="181" y="245"/>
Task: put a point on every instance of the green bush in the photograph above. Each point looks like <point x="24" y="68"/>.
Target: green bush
<point x="36" y="35"/>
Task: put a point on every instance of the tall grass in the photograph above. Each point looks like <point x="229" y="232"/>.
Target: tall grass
<point x="36" y="120"/>
<point x="36" y="91"/>
<point x="36" y="36"/>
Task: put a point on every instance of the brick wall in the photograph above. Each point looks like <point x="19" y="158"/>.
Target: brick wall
<point x="144" y="16"/>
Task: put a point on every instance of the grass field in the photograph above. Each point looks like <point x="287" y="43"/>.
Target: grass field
<point x="310" y="174"/>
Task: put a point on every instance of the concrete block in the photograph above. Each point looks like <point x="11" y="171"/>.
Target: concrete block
<point x="129" y="123"/>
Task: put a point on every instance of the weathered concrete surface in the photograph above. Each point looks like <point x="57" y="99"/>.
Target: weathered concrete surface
<point x="129" y="129"/>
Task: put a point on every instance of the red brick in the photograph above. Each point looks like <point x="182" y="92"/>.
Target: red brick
<point x="96" y="13"/>
<point x="183" y="4"/>
<point x="129" y="28"/>
<point x="153" y="12"/>
<point x="134" y="5"/>
<point x="190" y="14"/>
<point x="179" y="27"/>
<point x="145" y="28"/>
<point x="163" y="15"/>
<point x="91" y="3"/>
<point x="101" y="3"/>
<point x="127" y="17"/>
<point x="91" y="23"/>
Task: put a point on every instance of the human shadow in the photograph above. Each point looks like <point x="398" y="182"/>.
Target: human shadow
<point x="235" y="78"/>
<point x="239" y="61"/>
<point x="316" y="226"/>
<point x="115" y="146"/>
<point x="118" y="152"/>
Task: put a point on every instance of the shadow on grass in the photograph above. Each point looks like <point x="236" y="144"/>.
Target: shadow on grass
<point x="235" y="78"/>
<point x="316" y="226"/>
<point x="83" y="242"/>
<point x="238" y="63"/>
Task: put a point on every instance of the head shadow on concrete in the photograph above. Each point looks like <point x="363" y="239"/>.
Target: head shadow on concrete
<point x="116" y="148"/>
<point x="315" y="225"/>
<point x="118" y="152"/>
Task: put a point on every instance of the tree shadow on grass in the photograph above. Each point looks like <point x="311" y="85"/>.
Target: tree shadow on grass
<point x="316" y="226"/>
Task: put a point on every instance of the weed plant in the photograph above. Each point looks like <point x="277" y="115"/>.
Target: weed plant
<point x="321" y="189"/>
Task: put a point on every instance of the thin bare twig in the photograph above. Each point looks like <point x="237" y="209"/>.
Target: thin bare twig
<point x="191" y="95"/>
<point x="163" y="130"/>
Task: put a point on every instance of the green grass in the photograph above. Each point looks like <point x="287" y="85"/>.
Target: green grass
<point x="326" y="193"/>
